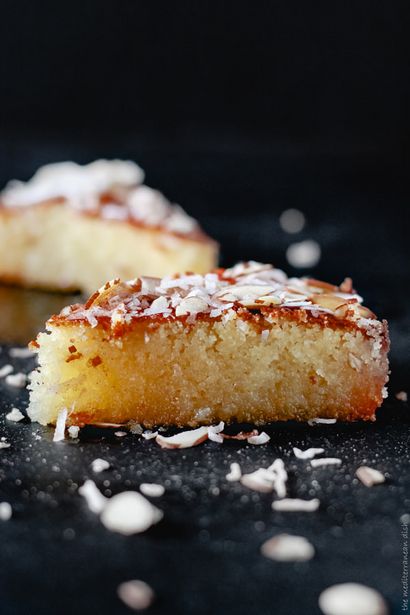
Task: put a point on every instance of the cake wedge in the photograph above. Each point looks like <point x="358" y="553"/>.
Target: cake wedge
<point x="240" y="344"/>
<point x="72" y="227"/>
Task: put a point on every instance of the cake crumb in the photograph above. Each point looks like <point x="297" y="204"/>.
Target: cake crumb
<point x="401" y="395"/>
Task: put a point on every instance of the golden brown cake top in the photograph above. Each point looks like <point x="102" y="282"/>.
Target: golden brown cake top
<point x="111" y="189"/>
<point x="245" y="290"/>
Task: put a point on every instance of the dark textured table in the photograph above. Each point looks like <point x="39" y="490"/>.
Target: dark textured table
<point x="203" y="557"/>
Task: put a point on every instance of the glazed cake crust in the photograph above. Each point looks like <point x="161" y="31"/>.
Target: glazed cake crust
<point x="245" y="344"/>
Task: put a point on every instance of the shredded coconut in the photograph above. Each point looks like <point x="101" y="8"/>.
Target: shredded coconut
<point x="18" y="380"/>
<point x="60" y="425"/>
<point x="15" y="415"/>
<point x="288" y="548"/>
<point x="73" y="431"/>
<point x="93" y="496"/>
<point x="261" y="438"/>
<point x="149" y="435"/>
<point x="5" y="370"/>
<point x="352" y="598"/>
<point x="292" y="220"/>
<point x="214" y="432"/>
<point x="129" y="513"/>
<point x="99" y="465"/>
<point x="370" y="476"/>
<point x="235" y="473"/>
<point x="295" y="505"/>
<point x="152" y="490"/>
<point x="304" y="254"/>
<point x="308" y="453"/>
<point x="136" y="595"/>
<point x="21" y="353"/>
<point x="325" y="461"/>
<point x="184" y="439"/>
<point x="318" y="421"/>
<point x="6" y="511"/>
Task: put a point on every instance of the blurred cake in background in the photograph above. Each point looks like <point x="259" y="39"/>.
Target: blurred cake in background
<point x="72" y="227"/>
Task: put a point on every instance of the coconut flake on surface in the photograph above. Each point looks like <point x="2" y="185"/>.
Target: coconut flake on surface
<point x="184" y="439"/>
<point x="21" y="353"/>
<point x="120" y="434"/>
<point x="401" y="396"/>
<point x="73" y="431"/>
<point x="214" y="432"/>
<point x="269" y="479"/>
<point x="152" y="490"/>
<point x="309" y="453"/>
<point x="136" y="595"/>
<point x="15" y="415"/>
<point x="352" y="599"/>
<point x="319" y="421"/>
<point x="6" y="511"/>
<point x="370" y="476"/>
<point x="99" y="465"/>
<point x="149" y="435"/>
<point x="18" y="380"/>
<point x="295" y="505"/>
<point x="235" y="473"/>
<point x="93" y="496"/>
<point x="288" y="548"/>
<point x="303" y="254"/>
<point x="60" y="425"/>
<point x="292" y="220"/>
<point x="6" y="370"/>
<point x="4" y="445"/>
<point x="129" y="513"/>
<point x="261" y="438"/>
<point x="325" y="461"/>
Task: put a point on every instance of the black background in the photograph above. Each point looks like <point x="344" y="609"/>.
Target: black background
<point x="236" y="110"/>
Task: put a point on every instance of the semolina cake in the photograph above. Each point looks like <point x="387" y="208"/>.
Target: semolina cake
<point x="72" y="227"/>
<point x="243" y="344"/>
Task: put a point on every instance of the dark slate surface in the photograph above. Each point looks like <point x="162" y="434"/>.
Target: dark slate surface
<point x="203" y="558"/>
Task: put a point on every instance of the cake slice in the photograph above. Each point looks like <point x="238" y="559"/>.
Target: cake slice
<point x="240" y="344"/>
<point x="72" y="227"/>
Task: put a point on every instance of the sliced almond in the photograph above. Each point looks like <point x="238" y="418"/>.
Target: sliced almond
<point x="320" y="285"/>
<point x="184" y="439"/>
<point x="288" y="548"/>
<point x="191" y="305"/>
<point x="330" y="302"/>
